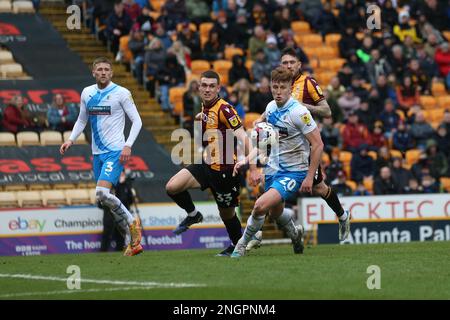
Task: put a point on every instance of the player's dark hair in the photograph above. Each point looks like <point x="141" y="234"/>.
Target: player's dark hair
<point x="281" y="74"/>
<point x="210" y="74"/>
<point x="101" y="60"/>
<point x="290" y="52"/>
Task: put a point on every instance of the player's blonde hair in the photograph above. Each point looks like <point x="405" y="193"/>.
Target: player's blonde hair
<point x="101" y="60"/>
<point x="280" y="74"/>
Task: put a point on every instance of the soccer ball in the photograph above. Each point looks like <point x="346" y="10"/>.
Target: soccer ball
<point x="264" y="134"/>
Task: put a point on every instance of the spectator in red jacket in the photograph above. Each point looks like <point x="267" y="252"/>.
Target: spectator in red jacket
<point x="14" y="119"/>
<point x="442" y="58"/>
<point x="354" y="133"/>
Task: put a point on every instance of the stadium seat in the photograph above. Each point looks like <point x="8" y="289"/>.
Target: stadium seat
<point x="27" y="138"/>
<point x="332" y="39"/>
<point x="300" y="27"/>
<point x="51" y="138"/>
<point x="230" y="52"/>
<point x="428" y="102"/>
<point x="39" y="186"/>
<point x="192" y="26"/>
<point x="373" y="154"/>
<point x="205" y="28"/>
<point x="5" y="55"/>
<point x="249" y="118"/>
<point x="445" y="183"/>
<point x="444" y="102"/>
<point x="324" y="78"/>
<point x="345" y="157"/>
<point x="176" y="95"/>
<point x="51" y="198"/>
<point x="77" y="197"/>
<point x="63" y="186"/>
<point x="9" y="70"/>
<point x="127" y="55"/>
<point x="199" y="66"/>
<point x="157" y="4"/>
<point x="325" y="158"/>
<point x="92" y="195"/>
<point x="352" y="184"/>
<point x="396" y="153"/>
<point x="23" y="7"/>
<point x="8" y="200"/>
<point x="334" y="64"/>
<point x="15" y="187"/>
<point x="81" y="139"/>
<point x="446" y="35"/>
<point x="7" y="139"/>
<point x="438" y="89"/>
<point x="309" y="40"/>
<point x="326" y="52"/>
<point x="29" y="199"/>
<point x="222" y="66"/>
<point x="437" y="115"/>
<point x="347" y="170"/>
<point x="5" y="6"/>
<point x="412" y="156"/>
<point x="368" y="184"/>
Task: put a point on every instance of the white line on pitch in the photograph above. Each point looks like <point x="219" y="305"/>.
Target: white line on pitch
<point x="48" y="293"/>
<point x="113" y="282"/>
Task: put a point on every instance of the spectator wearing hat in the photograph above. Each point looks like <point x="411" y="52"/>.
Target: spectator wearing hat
<point x="421" y="130"/>
<point x="362" y="165"/>
<point x="384" y="183"/>
<point x="340" y="186"/>
<point x="271" y="51"/>
<point x="436" y="159"/>
<point x="400" y="174"/>
<point x="407" y="94"/>
<point x="421" y="167"/>
<point x="389" y="118"/>
<point x="404" y="28"/>
<point x="348" y="102"/>
<point x="402" y="139"/>
<point x="354" y="133"/>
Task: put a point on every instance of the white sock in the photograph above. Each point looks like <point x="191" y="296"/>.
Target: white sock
<point x="193" y="213"/>
<point x="254" y="224"/>
<point x="344" y="216"/>
<point x="112" y="202"/>
<point x="286" y="223"/>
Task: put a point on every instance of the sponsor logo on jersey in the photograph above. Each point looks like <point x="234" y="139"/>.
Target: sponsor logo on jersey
<point x="306" y="118"/>
<point x="99" y="110"/>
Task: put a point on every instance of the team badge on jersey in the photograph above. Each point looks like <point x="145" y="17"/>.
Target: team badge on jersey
<point x="234" y="121"/>
<point x="306" y="118"/>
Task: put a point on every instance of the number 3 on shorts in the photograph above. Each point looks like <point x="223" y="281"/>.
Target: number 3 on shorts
<point x="109" y="166"/>
<point x="288" y="183"/>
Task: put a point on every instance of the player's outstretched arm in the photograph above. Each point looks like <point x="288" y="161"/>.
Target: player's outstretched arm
<point x="316" y="152"/>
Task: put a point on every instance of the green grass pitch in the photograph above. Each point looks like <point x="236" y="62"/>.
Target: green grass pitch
<point x="408" y="271"/>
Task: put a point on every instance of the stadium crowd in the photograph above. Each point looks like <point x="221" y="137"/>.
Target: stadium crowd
<point x="390" y="125"/>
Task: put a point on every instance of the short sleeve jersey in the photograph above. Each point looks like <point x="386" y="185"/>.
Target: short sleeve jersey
<point x="219" y="118"/>
<point x="292" y="122"/>
<point x="306" y="89"/>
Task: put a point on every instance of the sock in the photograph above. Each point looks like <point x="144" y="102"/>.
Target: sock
<point x="113" y="203"/>
<point x="333" y="202"/>
<point x="122" y="225"/>
<point x="192" y="213"/>
<point x="183" y="200"/>
<point x="234" y="230"/>
<point x="286" y="224"/>
<point x="254" y="224"/>
<point x="343" y="217"/>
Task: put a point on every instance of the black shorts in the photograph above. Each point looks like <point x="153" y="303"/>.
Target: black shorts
<point x="318" y="177"/>
<point x="223" y="185"/>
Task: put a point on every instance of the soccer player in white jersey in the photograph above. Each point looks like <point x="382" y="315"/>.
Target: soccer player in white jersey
<point x="288" y="168"/>
<point x="105" y="105"/>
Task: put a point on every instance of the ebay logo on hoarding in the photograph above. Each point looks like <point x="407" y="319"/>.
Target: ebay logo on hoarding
<point x="24" y="224"/>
